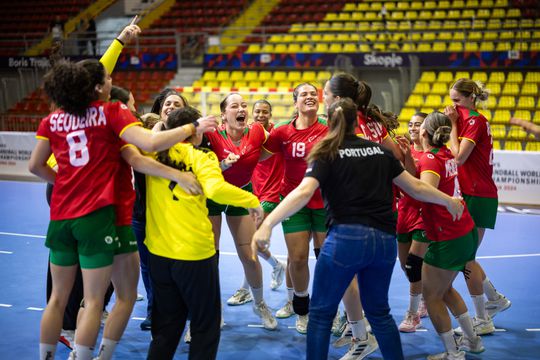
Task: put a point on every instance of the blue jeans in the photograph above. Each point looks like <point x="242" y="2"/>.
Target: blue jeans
<point x="349" y="250"/>
<point x="140" y="235"/>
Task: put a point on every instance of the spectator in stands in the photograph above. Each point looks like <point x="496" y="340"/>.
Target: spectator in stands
<point x="56" y="29"/>
<point x="342" y="166"/>
<point x="528" y="126"/>
<point x="472" y="146"/>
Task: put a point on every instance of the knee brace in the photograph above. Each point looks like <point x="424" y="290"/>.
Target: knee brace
<point x="413" y="268"/>
<point x="300" y="304"/>
<point x="317" y="251"/>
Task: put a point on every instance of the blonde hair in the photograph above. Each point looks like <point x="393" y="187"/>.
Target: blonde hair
<point x="149" y="120"/>
<point x="466" y="87"/>
<point x="438" y="127"/>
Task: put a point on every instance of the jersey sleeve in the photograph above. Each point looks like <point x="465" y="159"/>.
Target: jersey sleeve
<point x="206" y="169"/>
<point x="273" y="142"/>
<point x="320" y="170"/>
<point x="473" y="129"/>
<point x="120" y="117"/>
<point x="43" y="130"/>
<point x="428" y="163"/>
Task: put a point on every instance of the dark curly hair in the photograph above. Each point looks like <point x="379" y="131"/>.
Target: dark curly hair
<point x="70" y="87"/>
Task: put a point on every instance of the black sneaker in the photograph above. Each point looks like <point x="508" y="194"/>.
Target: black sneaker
<point x="146" y="324"/>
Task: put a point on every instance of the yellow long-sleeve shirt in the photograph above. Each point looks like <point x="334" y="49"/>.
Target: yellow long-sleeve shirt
<point x="177" y="224"/>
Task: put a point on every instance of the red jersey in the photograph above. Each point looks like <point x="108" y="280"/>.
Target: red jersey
<point x="125" y="191"/>
<point x="475" y="175"/>
<point x="249" y="150"/>
<point x="86" y="150"/>
<point x="409" y="216"/>
<point x="266" y="178"/>
<point x="438" y="222"/>
<point x="370" y="129"/>
<point x="295" y="146"/>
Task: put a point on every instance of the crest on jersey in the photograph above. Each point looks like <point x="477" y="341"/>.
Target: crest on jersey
<point x="123" y="106"/>
<point x="471" y="122"/>
<point x="430" y="156"/>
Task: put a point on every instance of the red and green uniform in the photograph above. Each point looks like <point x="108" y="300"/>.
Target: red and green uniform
<point x="267" y="176"/>
<point x="295" y="146"/>
<point x="87" y="155"/>
<point x="409" y="216"/>
<point x="370" y="129"/>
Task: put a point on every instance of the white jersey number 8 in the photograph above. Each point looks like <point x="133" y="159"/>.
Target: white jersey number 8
<point x="78" y="151"/>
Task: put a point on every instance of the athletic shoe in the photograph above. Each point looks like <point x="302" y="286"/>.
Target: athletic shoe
<point x="187" y="335"/>
<point x="336" y="324"/>
<point x="359" y="349"/>
<point x="496" y="306"/>
<point x="72" y="355"/>
<point x="422" y="309"/>
<point x="268" y="321"/>
<point x="240" y="297"/>
<point x="460" y="355"/>
<point x="342" y="326"/>
<point x="67" y="337"/>
<point x="410" y="323"/>
<point x="473" y="346"/>
<point x="301" y="323"/>
<point x="140" y="297"/>
<point x="481" y="327"/>
<point x="345" y="338"/>
<point x="146" y="324"/>
<point x="286" y="311"/>
<point x="278" y="274"/>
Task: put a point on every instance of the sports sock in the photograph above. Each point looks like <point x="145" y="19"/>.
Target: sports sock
<point x="480" y="306"/>
<point x="449" y="342"/>
<point x="272" y="261"/>
<point x="414" y="302"/>
<point x="358" y="328"/>
<point x="106" y="349"/>
<point x="257" y="294"/>
<point x="489" y="290"/>
<point x="245" y="284"/>
<point x="465" y="322"/>
<point x="46" y="351"/>
<point x="84" y="352"/>
<point x="290" y="293"/>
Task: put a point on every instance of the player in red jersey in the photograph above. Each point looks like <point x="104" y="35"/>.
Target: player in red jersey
<point x="238" y="145"/>
<point x="472" y="145"/>
<point x="454" y="242"/>
<point x="412" y="240"/>
<point x="294" y="139"/>
<point x="82" y="134"/>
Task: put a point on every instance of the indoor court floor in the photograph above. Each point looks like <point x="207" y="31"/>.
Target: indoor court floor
<point x="510" y="255"/>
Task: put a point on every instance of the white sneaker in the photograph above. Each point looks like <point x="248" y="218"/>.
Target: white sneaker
<point x="345" y="338"/>
<point x="240" y="297"/>
<point x="187" y="335"/>
<point x="268" y="321"/>
<point x="359" y="349"/>
<point x="301" y="323"/>
<point x="410" y="323"/>
<point x="497" y="306"/>
<point x="72" y="355"/>
<point x="473" y="346"/>
<point x="278" y="274"/>
<point x="460" y="355"/>
<point x="286" y="311"/>
<point x="140" y="297"/>
<point x="481" y="327"/>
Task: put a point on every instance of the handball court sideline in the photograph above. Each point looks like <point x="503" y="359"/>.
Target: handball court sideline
<point x="510" y="255"/>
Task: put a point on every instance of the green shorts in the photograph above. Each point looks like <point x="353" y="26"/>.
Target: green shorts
<point x="268" y="206"/>
<point x="416" y="235"/>
<point x="215" y="209"/>
<point x="89" y="240"/>
<point x="127" y="243"/>
<point x="453" y="254"/>
<point x="305" y="220"/>
<point x="483" y="210"/>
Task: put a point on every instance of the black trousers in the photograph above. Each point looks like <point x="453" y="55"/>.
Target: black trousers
<point x="182" y="287"/>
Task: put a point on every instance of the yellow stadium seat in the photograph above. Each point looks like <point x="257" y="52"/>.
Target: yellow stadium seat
<point x="526" y="103"/>
<point x="498" y="131"/>
<point x="445" y="76"/>
<point x="532" y="146"/>
<point x="536" y="117"/>
<point x="511" y="24"/>
<point x="440" y="88"/>
<point x="294" y="76"/>
<point x="453" y="14"/>
<point x="306" y="48"/>
<point x="532" y="77"/>
<point x="471" y="46"/>
<point x="236" y="75"/>
<point x="430" y="5"/>
<point x="493" y="24"/>
<point x="309" y="76"/>
<point x="415" y="101"/>
<point x="285" y="84"/>
<point x="403" y="5"/>
<point x="450" y="25"/>
<point x="324" y="26"/>
<point x="526" y="23"/>
<point x="335" y="48"/>
<point x="428" y="76"/>
<point x="480" y="76"/>
<point x="516" y="133"/>
<point x="511" y="89"/>
<point x="433" y="101"/>
<point x="483" y="13"/>
<point x="411" y="15"/>
<point x="498" y="13"/>
<point x="494" y="89"/>
<point x="364" y="48"/>
<point x="329" y="38"/>
<point x="267" y="48"/>
<point x="444" y="5"/>
<point x="439" y="14"/>
<point x="513" y="145"/>
<point x="487" y="46"/>
<point x="461" y="74"/>
<point x="423" y="47"/>
<point x="503" y="46"/>
<point x="350" y="48"/>
<point x="487" y="114"/>
<point x="467" y="14"/>
<point x="321" y="48"/>
<point x="444" y="35"/>
<point x="406" y="114"/>
<point x="513" y="13"/>
<point x="506" y="35"/>
<point x="331" y="17"/>
<point x="514" y="77"/>
<point x="501" y="116"/>
<point x="475" y="35"/>
<point x="251" y="75"/>
<point x="240" y="84"/>
<point x="506" y="102"/>
<point x="254" y="49"/>
<point x="440" y="46"/>
<point x="349" y="7"/>
<point x="294" y="48"/>
<point x="529" y="89"/>
<point x="522" y="114"/>
<point x="420" y="25"/>
<point x="422" y="88"/>
<point x="265" y="75"/>
<point x="479" y="24"/>
<point x="496" y="77"/>
<point x="254" y="84"/>
<point x="496" y="145"/>
<point x="302" y="38"/>
<point x="323" y="76"/>
<point x="279" y="76"/>
<point x="280" y="48"/>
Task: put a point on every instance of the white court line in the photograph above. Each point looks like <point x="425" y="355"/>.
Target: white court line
<point x="6" y="305"/>
<point x="138" y="318"/>
<point x="500" y="330"/>
<point x="6" y="252"/>
<point x="532" y="329"/>
<point x="34" y="308"/>
<point x="22" y="235"/>
<point x="232" y="253"/>
<point x="255" y="325"/>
